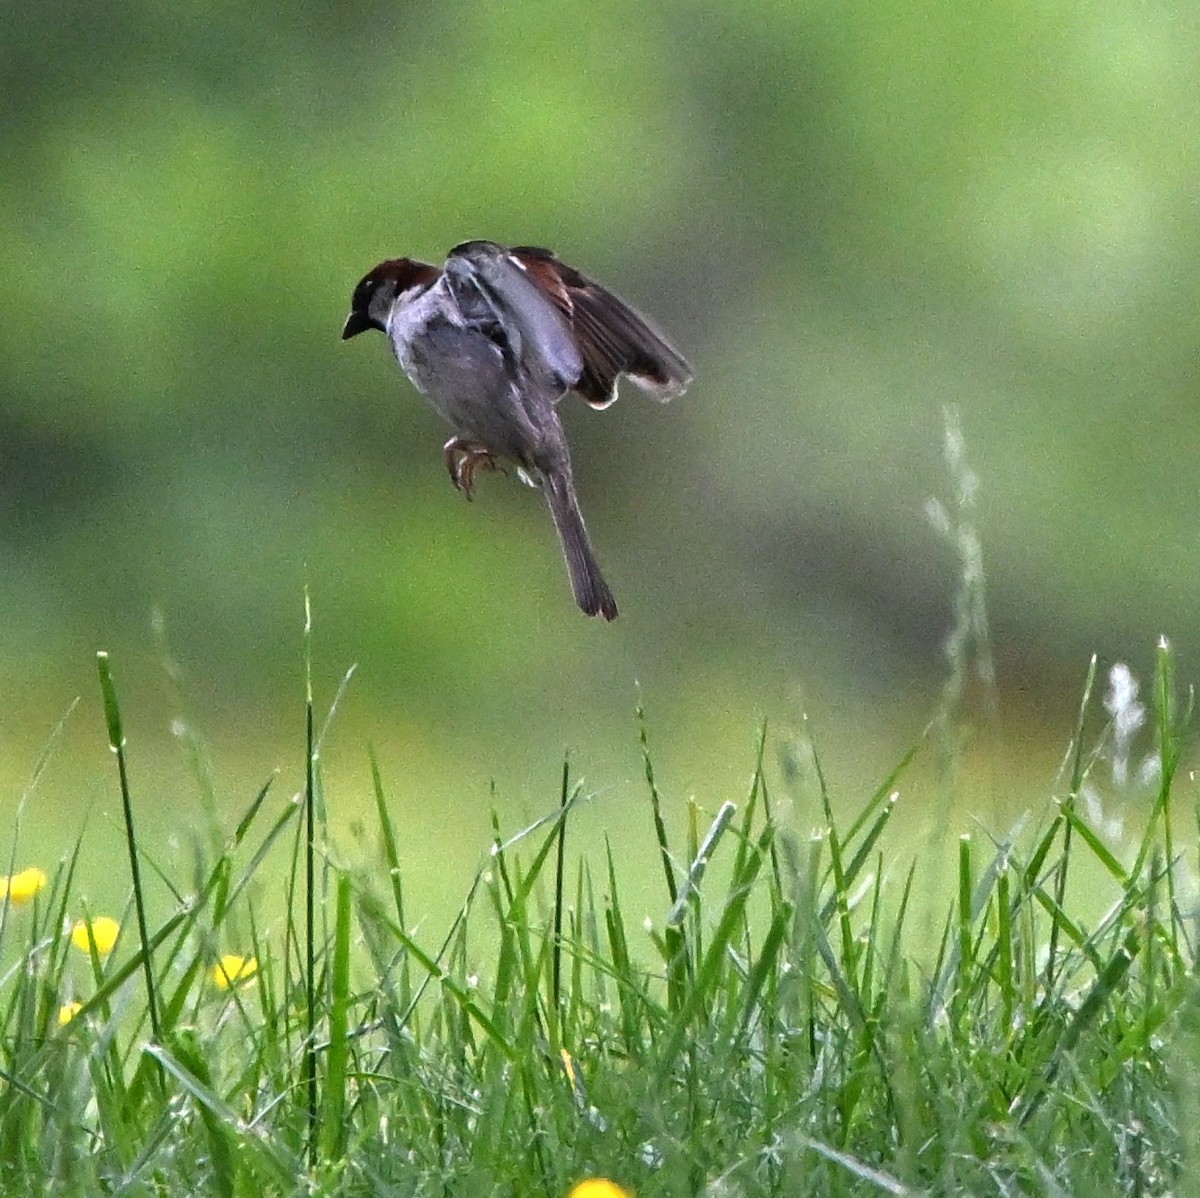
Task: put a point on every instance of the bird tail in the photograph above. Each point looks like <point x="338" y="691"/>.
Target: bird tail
<point x="591" y="591"/>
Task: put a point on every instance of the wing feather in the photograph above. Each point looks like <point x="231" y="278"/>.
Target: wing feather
<point x="613" y="338"/>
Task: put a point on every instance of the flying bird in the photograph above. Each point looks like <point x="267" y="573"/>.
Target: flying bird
<point x="494" y="339"/>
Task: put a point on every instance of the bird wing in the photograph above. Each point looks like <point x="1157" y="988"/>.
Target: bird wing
<point x="612" y="338"/>
<point x="538" y="331"/>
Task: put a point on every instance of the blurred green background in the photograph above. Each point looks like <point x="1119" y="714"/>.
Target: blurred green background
<point x="849" y="216"/>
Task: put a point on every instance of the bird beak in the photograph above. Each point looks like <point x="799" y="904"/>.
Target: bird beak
<point x="356" y="322"/>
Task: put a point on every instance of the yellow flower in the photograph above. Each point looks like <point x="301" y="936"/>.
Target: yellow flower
<point x="20" y="888"/>
<point x="599" y="1187"/>
<point x="232" y="970"/>
<point x="67" y="1012"/>
<point x="100" y="933"/>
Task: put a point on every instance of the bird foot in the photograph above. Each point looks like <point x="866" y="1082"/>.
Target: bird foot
<point x="463" y="458"/>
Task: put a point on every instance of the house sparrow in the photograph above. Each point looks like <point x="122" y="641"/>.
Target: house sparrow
<point x="494" y="339"/>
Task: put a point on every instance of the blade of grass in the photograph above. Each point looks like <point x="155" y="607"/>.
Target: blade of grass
<point x="391" y="856"/>
<point x="695" y="872"/>
<point x="116" y="742"/>
<point x="339" y="1023"/>
<point x="559" y="868"/>
<point x="310" y="899"/>
<point x="660" y="827"/>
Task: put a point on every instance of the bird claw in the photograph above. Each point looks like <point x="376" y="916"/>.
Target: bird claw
<point x="463" y="458"/>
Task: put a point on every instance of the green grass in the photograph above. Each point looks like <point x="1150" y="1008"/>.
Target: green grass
<point x="783" y="1027"/>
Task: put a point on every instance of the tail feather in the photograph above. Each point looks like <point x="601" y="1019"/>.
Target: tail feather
<point x="587" y="582"/>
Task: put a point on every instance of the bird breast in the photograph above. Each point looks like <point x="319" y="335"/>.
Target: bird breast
<point x="470" y="382"/>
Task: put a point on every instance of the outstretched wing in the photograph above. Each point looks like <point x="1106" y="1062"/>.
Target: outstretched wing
<point x="612" y="337"/>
